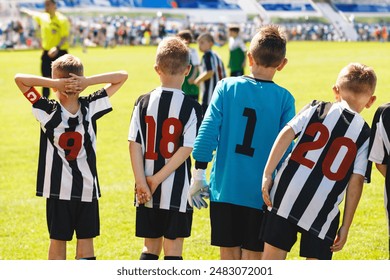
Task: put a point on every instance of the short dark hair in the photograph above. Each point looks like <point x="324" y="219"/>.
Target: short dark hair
<point x="185" y="35"/>
<point x="268" y="46"/>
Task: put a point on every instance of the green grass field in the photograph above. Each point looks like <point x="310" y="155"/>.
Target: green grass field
<point x="309" y="74"/>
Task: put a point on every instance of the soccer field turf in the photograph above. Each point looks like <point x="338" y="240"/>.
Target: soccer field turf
<point x="310" y="74"/>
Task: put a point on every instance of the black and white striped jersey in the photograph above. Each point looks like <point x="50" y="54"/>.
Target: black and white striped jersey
<point x="67" y="154"/>
<point x="162" y="121"/>
<point x="332" y="144"/>
<point x="211" y="62"/>
<point x="380" y="147"/>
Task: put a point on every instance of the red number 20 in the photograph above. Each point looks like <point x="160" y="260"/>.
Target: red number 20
<point x="171" y="131"/>
<point x="299" y="153"/>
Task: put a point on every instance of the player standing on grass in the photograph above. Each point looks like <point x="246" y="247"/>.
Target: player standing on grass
<point x="162" y="132"/>
<point x="212" y="69"/>
<point x="329" y="160"/>
<point x="380" y="151"/>
<point x="241" y="123"/>
<point x="67" y="173"/>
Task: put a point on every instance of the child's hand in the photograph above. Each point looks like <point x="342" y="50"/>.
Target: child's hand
<point x="152" y="183"/>
<point x="143" y="194"/>
<point x="340" y="240"/>
<point x="77" y="83"/>
<point x="266" y="187"/>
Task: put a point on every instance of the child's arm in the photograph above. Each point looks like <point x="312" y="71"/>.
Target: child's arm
<point x="282" y="142"/>
<point x="175" y="161"/>
<point x="204" y="76"/>
<point x="26" y="81"/>
<point x="114" y="81"/>
<point x="354" y="192"/>
<point x="195" y="72"/>
<point x="141" y="186"/>
<point x="382" y="168"/>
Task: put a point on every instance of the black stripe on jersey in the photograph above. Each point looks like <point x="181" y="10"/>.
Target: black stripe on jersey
<point x="55" y="183"/>
<point x="293" y="166"/>
<point x="48" y="106"/>
<point x="77" y="177"/>
<point x="41" y="163"/>
<point x="163" y="113"/>
<point x="316" y="175"/>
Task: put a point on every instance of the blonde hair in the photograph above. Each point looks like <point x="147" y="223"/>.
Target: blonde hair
<point x="172" y="56"/>
<point x="357" y="78"/>
<point x="67" y="64"/>
<point x="268" y="46"/>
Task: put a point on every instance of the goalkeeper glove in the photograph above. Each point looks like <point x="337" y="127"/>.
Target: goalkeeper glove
<point x="199" y="189"/>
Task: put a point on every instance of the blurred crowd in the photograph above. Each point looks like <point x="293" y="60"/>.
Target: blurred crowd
<point x="110" y="31"/>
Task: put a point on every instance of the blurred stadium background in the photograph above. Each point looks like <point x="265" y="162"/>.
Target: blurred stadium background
<point x="134" y="22"/>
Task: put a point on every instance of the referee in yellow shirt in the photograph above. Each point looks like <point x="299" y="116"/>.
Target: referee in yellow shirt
<point x="55" y="29"/>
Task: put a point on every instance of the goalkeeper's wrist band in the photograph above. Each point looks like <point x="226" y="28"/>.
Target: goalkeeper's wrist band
<point x="201" y="165"/>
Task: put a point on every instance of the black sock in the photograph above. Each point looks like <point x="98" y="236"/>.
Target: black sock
<point x="147" y="256"/>
<point x="89" y="259"/>
<point x="176" y="258"/>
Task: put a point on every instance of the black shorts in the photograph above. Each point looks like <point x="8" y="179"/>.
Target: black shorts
<point x="156" y="223"/>
<point x="236" y="226"/>
<point x="281" y="233"/>
<point x="64" y="217"/>
<point x="46" y="62"/>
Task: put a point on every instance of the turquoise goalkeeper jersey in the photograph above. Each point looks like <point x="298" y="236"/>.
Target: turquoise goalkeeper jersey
<point x="239" y="128"/>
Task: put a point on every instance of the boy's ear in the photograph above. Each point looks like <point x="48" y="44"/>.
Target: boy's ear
<point x="336" y="92"/>
<point x="282" y="64"/>
<point x="250" y="59"/>
<point x="370" y="101"/>
<point x="188" y="69"/>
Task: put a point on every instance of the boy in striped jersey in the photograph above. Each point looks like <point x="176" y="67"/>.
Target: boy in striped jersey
<point x="67" y="174"/>
<point x="241" y="124"/>
<point x="212" y="67"/>
<point x="162" y="132"/>
<point x="380" y="150"/>
<point x="328" y="161"/>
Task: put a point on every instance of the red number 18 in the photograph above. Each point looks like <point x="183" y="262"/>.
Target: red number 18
<point x="171" y="131"/>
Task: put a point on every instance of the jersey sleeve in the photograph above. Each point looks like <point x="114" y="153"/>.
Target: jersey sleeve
<point x="209" y="131"/>
<point x="99" y="104"/>
<point x="194" y="57"/>
<point x="134" y="129"/>
<point x="299" y="122"/>
<point x="44" y="109"/>
<point x="380" y="131"/>
<point x="361" y="161"/>
<point x="65" y="27"/>
<point x="191" y="128"/>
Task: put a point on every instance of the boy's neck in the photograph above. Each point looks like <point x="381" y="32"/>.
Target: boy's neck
<point x="71" y="104"/>
<point x="172" y="81"/>
<point x="262" y="73"/>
